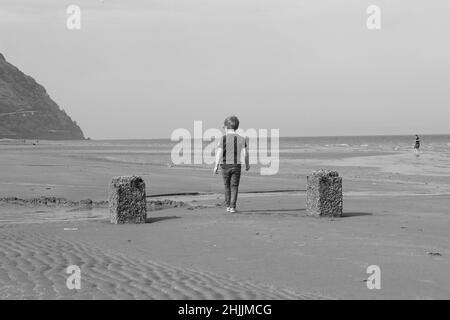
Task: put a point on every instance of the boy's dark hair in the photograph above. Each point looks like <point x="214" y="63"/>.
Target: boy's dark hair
<point x="231" y="122"/>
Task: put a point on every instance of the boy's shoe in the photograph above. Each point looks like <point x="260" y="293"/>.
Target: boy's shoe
<point x="232" y="210"/>
<point x="228" y="209"/>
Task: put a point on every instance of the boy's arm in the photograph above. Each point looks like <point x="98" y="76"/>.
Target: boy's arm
<point x="219" y="152"/>
<point x="246" y="155"/>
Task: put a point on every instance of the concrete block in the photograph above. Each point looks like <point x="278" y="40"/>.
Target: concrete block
<point x="127" y="200"/>
<point x="324" y="194"/>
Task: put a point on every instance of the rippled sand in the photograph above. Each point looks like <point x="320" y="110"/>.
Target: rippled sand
<point x="33" y="266"/>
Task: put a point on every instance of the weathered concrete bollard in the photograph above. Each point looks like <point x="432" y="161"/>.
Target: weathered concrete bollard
<point x="127" y="200"/>
<point x="324" y="194"/>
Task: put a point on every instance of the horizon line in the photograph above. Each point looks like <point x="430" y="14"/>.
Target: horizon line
<point x="313" y="136"/>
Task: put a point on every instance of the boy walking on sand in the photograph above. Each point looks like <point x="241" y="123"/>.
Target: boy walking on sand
<point x="228" y="156"/>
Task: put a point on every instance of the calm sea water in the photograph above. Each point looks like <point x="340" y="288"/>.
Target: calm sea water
<point x="389" y="153"/>
<point x="393" y="153"/>
<point x="287" y="144"/>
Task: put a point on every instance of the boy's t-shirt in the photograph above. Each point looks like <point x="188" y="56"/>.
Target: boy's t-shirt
<point x="232" y="145"/>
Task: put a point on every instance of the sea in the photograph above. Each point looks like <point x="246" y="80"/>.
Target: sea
<point x="390" y="152"/>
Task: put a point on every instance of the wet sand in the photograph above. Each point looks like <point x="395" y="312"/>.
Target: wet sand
<point x="269" y="250"/>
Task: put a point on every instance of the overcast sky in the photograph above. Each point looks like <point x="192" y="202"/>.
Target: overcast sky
<point x="142" y="68"/>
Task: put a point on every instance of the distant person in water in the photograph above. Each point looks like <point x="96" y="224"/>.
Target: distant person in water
<point x="417" y="145"/>
<point x="228" y="156"/>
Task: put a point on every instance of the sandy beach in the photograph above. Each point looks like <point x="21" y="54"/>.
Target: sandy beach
<point x="270" y="249"/>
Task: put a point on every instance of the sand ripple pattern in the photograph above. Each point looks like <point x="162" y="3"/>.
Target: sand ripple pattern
<point x="33" y="265"/>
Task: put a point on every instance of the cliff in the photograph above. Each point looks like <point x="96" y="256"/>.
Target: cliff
<point x="27" y="111"/>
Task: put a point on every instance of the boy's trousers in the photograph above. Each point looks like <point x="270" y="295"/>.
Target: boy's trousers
<point x="231" y="174"/>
